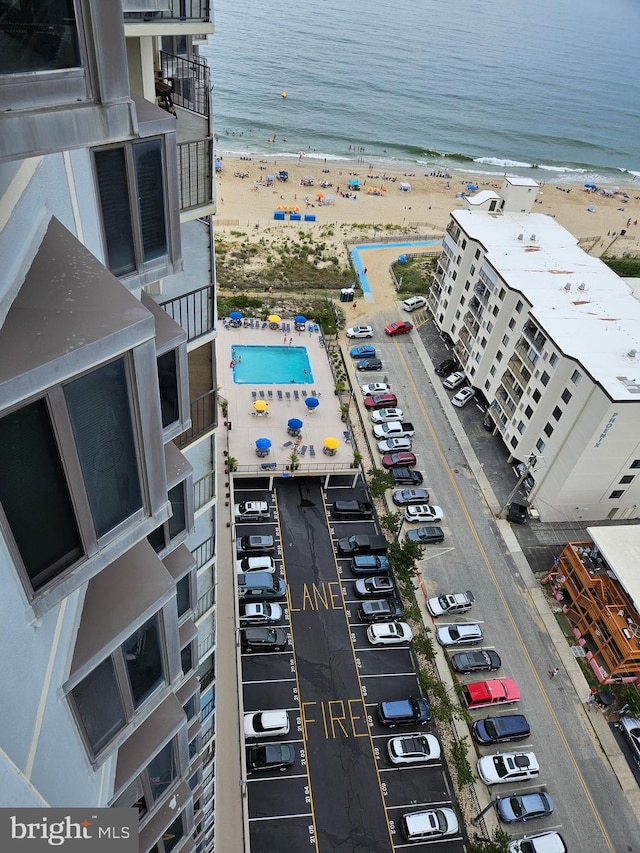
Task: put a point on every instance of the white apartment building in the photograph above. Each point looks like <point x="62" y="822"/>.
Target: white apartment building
<point x="108" y="413"/>
<point x="551" y="337"/>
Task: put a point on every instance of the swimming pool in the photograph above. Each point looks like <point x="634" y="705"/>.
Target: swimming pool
<point x="270" y="365"/>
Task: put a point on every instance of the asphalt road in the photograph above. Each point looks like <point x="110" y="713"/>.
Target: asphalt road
<point x="589" y="809"/>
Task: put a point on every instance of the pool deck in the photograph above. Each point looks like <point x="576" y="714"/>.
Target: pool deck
<point x="247" y="425"/>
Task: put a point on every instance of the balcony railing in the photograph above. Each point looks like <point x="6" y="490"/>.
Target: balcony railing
<point x="194" y="311"/>
<point x="207" y="644"/>
<point x="203" y="418"/>
<point x="205" y="602"/>
<point x="181" y="10"/>
<point x="204" y="490"/>
<point x="207" y="679"/>
<point x="195" y="165"/>
<point x="203" y="554"/>
<point x="191" y="82"/>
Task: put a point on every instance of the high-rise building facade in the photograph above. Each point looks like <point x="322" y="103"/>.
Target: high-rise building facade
<point x="108" y="413"/>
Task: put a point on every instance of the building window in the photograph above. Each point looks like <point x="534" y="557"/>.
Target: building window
<point x="463" y="245"/>
<point x="512" y="324"/>
<point x="635" y="464"/>
<point x="458" y="259"/>
<point x="162" y="536"/>
<point x="536" y="395"/>
<point x="33" y="451"/>
<point x="467" y="284"/>
<point x="618" y="493"/>
<point x="183" y="595"/>
<point x="477" y="254"/>
<point x="499" y="356"/>
<point x="186" y="659"/>
<point x="483" y="343"/>
<point x="457" y="315"/>
<point x="557" y="413"/>
<point x="519" y="306"/>
<point x="132" y="201"/>
<point x="540" y="445"/>
<point x="628" y="478"/>
<point x="501" y="293"/>
<point x="168" y="381"/>
<point x="172" y="836"/>
<point x="41" y="36"/>
<point x="489" y="326"/>
<point x="505" y="340"/>
<point x="576" y="377"/>
<point x="492" y="370"/>
<point x="107" y="698"/>
<point x="462" y="301"/>
<point x="528" y="412"/>
<point x="548" y="429"/>
<point x="514" y="441"/>
<point x="454" y="275"/>
<point x="472" y="270"/>
<point x="553" y="359"/>
<point x="566" y="395"/>
<point x="521" y="427"/>
<point x="486" y="384"/>
<point x="495" y="310"/>
<point x="545" y="378"/>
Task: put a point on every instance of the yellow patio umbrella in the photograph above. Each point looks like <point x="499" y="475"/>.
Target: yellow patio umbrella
<point x="261" y="405"/>
<point x="274" y="318"/>
<point x="331" y="443"/>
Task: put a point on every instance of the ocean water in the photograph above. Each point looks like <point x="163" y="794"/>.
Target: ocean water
<point x="549" y="89"/>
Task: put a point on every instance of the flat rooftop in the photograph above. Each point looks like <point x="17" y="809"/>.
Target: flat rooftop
<point x="590" y="313"/>
<point x="620" y="546"/>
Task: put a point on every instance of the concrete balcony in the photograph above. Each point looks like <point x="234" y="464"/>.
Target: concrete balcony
<point x="189" y="17"/>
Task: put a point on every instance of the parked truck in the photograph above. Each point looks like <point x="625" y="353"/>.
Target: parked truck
<point x="394" y="429"/>
<point x="497" y="691"/>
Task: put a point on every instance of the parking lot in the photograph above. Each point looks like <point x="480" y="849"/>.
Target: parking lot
<point x="343" y="792"/>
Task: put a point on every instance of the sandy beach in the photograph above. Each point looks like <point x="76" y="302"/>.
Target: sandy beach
<point x="249" y="202"/>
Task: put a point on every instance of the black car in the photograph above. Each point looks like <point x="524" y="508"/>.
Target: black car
<point x="406" y="476"/>
<point x="477" y="660"/>
<point x="264" y="639"/>
<point x="449" y="365"/>
<point x="351" y="509"/>
<point x="425" y="535"/>
<point x="381" y="610"/>
<point x="369" y="364"/>
<point x="256" y="546"/>
<point x="404" y="712"/>
<point x="270" y="756"/>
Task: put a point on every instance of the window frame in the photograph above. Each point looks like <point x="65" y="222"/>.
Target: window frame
<point x="90" y="542"/>
<point x="141" y="267"/>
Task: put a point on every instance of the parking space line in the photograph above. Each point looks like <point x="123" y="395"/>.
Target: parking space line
<point x="436" y="841"/>
<point x="381" y="648"/>
<point x="435" y="765"/>
<point x="387" y="674"/>
<point x="270" y="681"/>
<point x="277" y="778"/>
<point x="501" y="595"/>
<point x="280" y="817"/>
<point x="428" y="805"/>
<point x="295" y="670"/>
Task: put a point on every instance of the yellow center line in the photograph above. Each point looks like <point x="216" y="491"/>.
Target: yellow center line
<point x="357" y="669"/>
<point x="504" y="601"/>
<point x="295" y="672"/>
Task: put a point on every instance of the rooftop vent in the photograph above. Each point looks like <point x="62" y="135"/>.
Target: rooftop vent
<point x="567" y="286"/>
<point x="631" y="354"/>
<point x="533" y="238"/>
<point x="582" y="287"/>
<point x="520" y="236"/>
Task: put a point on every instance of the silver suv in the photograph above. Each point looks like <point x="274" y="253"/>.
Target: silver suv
<point x="630" y="728"/>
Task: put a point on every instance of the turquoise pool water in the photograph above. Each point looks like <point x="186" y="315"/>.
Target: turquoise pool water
<point x="270" y="365"/>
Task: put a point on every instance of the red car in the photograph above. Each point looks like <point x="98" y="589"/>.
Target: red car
<point x="399" y="328"/>
<point x="381" y="401"/>
<point x="403" y="459"/>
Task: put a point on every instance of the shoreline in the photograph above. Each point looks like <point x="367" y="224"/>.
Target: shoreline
<point x="484" y="167"/>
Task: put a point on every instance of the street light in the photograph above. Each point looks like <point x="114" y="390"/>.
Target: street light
<point x="476" y="820"/>
<point x="531" y="462"/>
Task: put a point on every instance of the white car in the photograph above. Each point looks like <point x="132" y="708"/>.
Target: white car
<point x="360" y="332"/>
<point x="464" y="396"/>
<point x="454" y="602"/>
<point x="381" y="416"/>
<point x="464" y="634"/>
<point x="264" y="724"/>
<point x="414" y="749"/>
<point x="393" y="445"/>
<point x="251" y="511"/>
<point x="507" y="767"/>
<point x="421" y="513"/>
<point x="375" y="388"/>
<point x="414" y="302"/>
<point x="454" y="379"/>
<point x="541" y="842"/>
<point x="260" y="613"/>
<point x="255" y="564"/>
<point x="389" y="633"/>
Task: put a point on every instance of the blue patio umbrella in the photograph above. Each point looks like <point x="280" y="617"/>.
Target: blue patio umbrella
<point x="311" y="402"/>
<point x="263" y="443"/>
<point x="472" y="187"/>
<point x="300" y="319"/>
<point x="294" y="423"/>
<point x="235" y="315"/>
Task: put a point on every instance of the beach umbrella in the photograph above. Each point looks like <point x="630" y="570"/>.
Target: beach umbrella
<point x="263" y="443"/>
<point x="331" y="443"/>
<point x="592" y="208"/>
<point x="235" y="315"/>
<point x="311" y="402"/>
<point x="261" y="405"/>
<point x="300" y="319"/>
<point x="294" y="423"/>
<point x="274" y="318"/>
<point x="472" y="187"/>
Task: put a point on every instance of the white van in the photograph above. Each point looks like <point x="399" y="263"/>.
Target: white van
<point x="414" y="302"/>
<point x="255" y="564"/>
